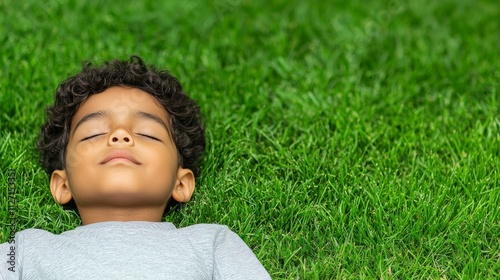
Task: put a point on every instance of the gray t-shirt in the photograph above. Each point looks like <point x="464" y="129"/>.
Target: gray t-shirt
<point x="130" y="250"/>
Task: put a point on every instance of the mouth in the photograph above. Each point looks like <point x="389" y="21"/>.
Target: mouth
<point x="120" y="156"/>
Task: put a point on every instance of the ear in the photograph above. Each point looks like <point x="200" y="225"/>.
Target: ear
<point x="184" y="186"/>
<point x="59" y="187"/>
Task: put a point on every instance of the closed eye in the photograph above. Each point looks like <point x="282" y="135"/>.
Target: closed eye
<point x="149" y="136"/>
<point x="92" y="136"/>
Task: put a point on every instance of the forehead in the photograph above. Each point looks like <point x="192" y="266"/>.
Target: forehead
<point x="119" y="101"/>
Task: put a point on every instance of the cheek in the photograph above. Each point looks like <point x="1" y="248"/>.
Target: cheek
<point x="163" y="165"/>
<point x="77" y="157"/>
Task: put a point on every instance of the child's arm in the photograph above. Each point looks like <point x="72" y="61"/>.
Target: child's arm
<point x="233" y="259"/>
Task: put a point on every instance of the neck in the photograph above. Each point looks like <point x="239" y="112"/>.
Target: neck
<point x="108" y="214"/>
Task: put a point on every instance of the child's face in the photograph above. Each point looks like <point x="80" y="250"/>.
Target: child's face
<point x="121" y="153"/>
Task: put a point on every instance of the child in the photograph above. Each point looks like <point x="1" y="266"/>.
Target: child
<point x="122" y="142"/>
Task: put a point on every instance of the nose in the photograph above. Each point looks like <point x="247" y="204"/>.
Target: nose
<point x="120" y="136"/>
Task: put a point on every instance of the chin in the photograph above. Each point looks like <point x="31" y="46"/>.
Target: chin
<point x="122" y="181"/>
<point x="125" y="199"/>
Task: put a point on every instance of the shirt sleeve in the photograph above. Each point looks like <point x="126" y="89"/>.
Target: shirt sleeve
<point x="233" y="259"/>
<point x="9" y="268"/>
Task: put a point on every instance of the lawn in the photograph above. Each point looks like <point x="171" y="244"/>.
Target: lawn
<point x="346" y="139"/>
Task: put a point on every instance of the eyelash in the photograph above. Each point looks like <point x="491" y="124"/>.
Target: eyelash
<point x="148" y="136"/>
<point x="92" y="136"/>
<point x="141" y="134"/>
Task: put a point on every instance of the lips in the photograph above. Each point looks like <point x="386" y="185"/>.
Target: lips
<point x="120" y="155"/>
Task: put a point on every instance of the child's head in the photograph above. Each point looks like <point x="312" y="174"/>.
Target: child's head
<point x="114" y="132"/>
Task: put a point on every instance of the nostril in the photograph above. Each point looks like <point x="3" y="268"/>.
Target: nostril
<point x="126" y="139"/>
<point x="114" y="139"/>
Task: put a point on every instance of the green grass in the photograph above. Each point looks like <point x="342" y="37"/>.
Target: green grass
<point x="346" y="139"/>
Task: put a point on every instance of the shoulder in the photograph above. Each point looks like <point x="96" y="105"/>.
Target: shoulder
<point x="216" y="235"/>
<point x="205" y="231"/>
<point x="15" y="250"/>
<point x="32" y="235"/>
<point x="28" y="236"/>
<point x="35" y="233"/>
<point x="205" y="227"/>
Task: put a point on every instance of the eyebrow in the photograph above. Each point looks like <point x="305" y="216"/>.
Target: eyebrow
<point x="152" y="117"/>
<point x="92" y="116"/>
<point x="141" y="114"/>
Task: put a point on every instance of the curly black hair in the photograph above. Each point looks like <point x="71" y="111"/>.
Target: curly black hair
<point x="186" y="121"/>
